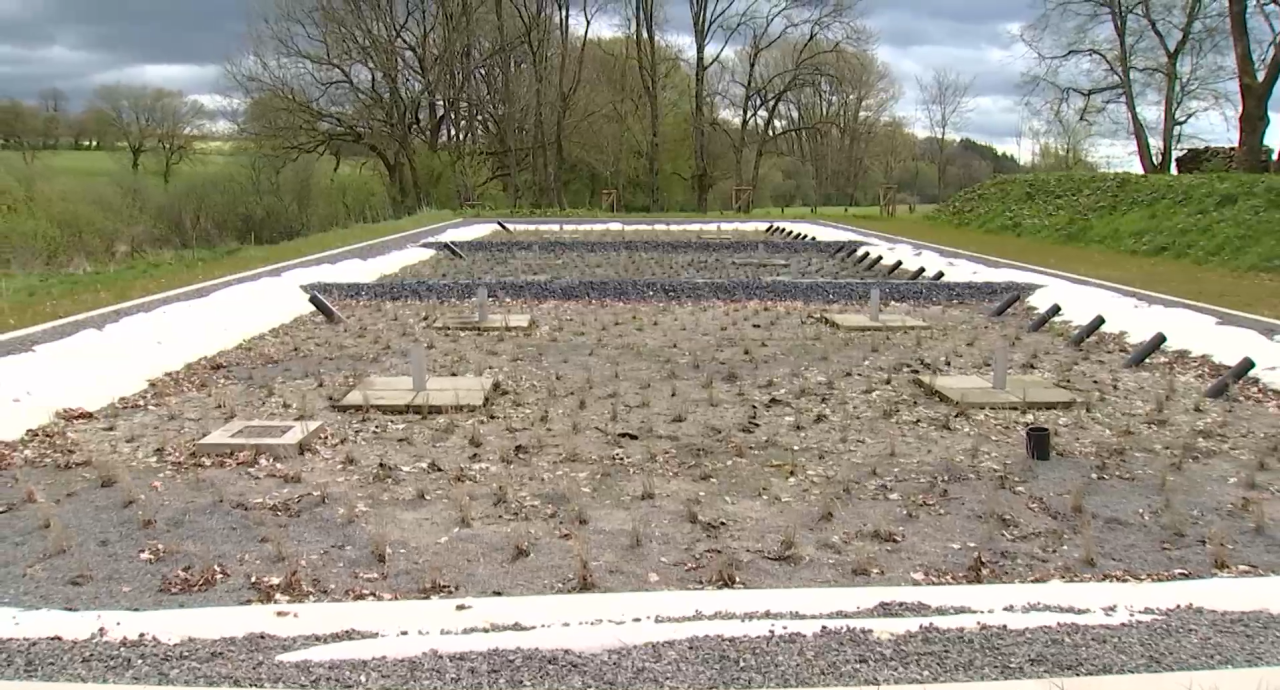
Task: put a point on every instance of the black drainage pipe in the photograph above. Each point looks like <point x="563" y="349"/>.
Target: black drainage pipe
<point x="937" y="276"/>
<point x="457" y="253"/>
<point x="861" y="257"/>
<point x="875" y="260"/>
<point x="893" y="267"/>
<point x="1218" y="388"/>
<point x="325" y="308"/>
<point x="853" y="249"/>
<point x="916" y="273"/>
<point x="1039" y="443"/>
<point x="1045" y="317"/>
<point x="769" y="230"/>
<point x="1087" y="330"/>
<point x="1140" y="355"/>
<point x="506" y="229"/>
<point x="839" y="250"/>
<point x="1005" y="304"/>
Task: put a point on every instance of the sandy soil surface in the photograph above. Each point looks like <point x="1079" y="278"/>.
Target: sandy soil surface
<point x="639" y="447"/>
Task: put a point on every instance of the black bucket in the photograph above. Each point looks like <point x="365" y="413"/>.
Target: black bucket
<point x="1038" y="447"/>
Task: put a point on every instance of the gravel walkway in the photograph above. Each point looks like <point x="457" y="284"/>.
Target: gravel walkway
<point x="15" y="346"/>
<point x="1186" y="640"/>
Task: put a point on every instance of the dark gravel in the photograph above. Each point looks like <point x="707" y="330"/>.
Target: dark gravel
<point x="559" y="247"/>
<point x="17" y="345"/>
<point x="664" y="290"/>
<point x="1185" y="640"/>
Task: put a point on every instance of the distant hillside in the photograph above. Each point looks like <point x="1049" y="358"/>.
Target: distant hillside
<point x="1226" y="219"/>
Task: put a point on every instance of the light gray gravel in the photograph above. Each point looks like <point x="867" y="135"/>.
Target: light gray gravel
<point x="1185" y="640"/>
<point x="622" y="290"/>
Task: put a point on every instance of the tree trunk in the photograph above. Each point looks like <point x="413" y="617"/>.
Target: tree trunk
<point x="1255" y="92"/>
<point x="701" y="174"/>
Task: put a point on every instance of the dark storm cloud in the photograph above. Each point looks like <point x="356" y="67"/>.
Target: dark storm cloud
<point x="75" y="43"/>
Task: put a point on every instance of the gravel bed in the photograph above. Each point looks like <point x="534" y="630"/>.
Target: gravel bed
<point x="735" y="247"/>
<point x="838" y="657"/>
<point x="15" y="346"/>
<point x="661" y="290"/>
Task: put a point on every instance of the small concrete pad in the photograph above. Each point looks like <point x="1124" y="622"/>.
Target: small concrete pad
<point x="494" y="322"/>
<point x="862" y="322"/>
<point x="1021" y="392"/>
<point x="276" y="438"/>
<point x="396" y="394"/>
<point x="760" y="262"/>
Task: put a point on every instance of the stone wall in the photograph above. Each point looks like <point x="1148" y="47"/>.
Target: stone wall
<point x="1214" y="159"/>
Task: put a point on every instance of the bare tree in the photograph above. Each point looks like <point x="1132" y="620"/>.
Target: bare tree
<point x="893" y="147"/>
<point x="946" y="102"/>
<point x="1255" y="37"/>
<point x="179" y="121"/>
<point x="1152" y="65"/>
<point x="646" y="25"/>
<point x="570" y="56"/>
<point x="785" y="49"/>
<point x="362" y="72"/>
<point x="130" y="112"/>
<point x="715" y="23"/>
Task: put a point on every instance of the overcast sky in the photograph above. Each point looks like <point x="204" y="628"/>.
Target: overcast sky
<point x="78" y="44"/>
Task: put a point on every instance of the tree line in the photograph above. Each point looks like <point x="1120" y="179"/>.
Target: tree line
<point x="137" y="119"/>
<point x="550" y="103"/>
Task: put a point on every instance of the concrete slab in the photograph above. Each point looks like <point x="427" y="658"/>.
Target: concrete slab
<point x="862" y="322"/>
<point x="494" y="322"/>
<point x="276" y="438"/>
<point x="396" y="394"/>
<point x="1021" y="392"/>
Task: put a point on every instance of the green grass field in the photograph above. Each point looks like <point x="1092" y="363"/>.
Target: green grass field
<point x="30" y="299"/>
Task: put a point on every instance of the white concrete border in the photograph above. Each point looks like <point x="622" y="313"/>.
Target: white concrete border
<point x="450" y="615"/>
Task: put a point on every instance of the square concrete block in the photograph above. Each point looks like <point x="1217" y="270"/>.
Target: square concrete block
<point x="862" y="322"/>
<point x="1021" y="392"/>
<point x="396" y="394"/>
<point x="276" y="438"/>
<point x="494" y="322"/>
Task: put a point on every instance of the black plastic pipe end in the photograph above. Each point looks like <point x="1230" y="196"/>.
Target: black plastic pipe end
<point x="1145" y="350"/>
<point x="1219" y="388"/>
<point x="915" y="275"/>
<point x="893" y="267"/>
<point x="1045" y="317"/>
<point x="1087" y="330"/>
<point x="322" y="305"/>
<point x="1005" y="304"/>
